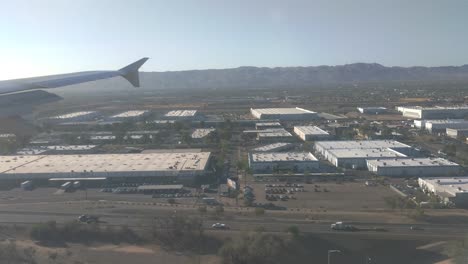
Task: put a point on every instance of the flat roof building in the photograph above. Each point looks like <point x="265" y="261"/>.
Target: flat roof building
<point x="202" y="132"/>
<point x="130" y="115"/>
<point x="65" y="149"/>
<point x="181" y="114"/>
<point x="438" y="112"/>
<point x="268" y="162"/>
<point x="74" y="117"/>
<point x="356" y="158"/>
<point x="437" y="126"/>
<point x="458" y="133"/>
<point x="274" y="135"/>
<point x="307" y="133"/>
<point x="267" y="125"/>
<point x="372" y="110"/>
<point x="274" y="147"/>
<point x="322" y="146"/>
<point x="124" y="166"/>
<point x="284" y="114"/>
<point x="413" y="167"/>
<point x="449" y="190"/>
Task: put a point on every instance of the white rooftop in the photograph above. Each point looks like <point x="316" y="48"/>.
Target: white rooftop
<point x="311" y="130"/>
<point x="181" y="113"/>
<point x="274" y="133"/>
<point x="202" y="132"/>
<point x="411" y="162"/>
<point x="365" y="153"/>
<point x="436" y="107"/>
<point x="268" y="124"/>
<point x="271" y="147"/>
<point x="449" y="185"/>
<point x="373" y="107"/>
<point x="104" y="163"/>
<point x="446" y="121"/>
<point x="360" y="144"/>
<point x="73" y="115"/>
<point x="283" y="111"/>
<point x="133" y="113"/>
<point x="282" y="156"/>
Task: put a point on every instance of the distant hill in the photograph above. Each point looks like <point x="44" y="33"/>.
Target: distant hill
<point x="251" y="77"/>
<point x="280" y="77"/>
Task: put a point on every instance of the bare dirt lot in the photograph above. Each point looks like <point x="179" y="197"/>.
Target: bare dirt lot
<point x="333" y="196"/>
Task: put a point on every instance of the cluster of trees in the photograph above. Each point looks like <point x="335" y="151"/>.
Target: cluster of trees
<point x="82" y="233"/>
<point x="12" y="144"/>
<point x="264" y="248"/>
<point x="11" y="254"/>
<point x="181" y="233"/>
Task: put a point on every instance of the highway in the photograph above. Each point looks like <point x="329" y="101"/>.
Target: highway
<point x="268" y="224"/>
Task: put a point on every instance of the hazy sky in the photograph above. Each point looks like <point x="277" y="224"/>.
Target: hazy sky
<point x="55" y="36"/>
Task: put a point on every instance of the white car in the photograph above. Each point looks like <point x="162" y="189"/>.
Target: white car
<point x="219" y="226"/>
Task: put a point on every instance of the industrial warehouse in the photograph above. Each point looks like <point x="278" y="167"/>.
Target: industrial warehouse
<point x="267" y="125"/>
<point x="129" y="115"/>
<point x="372" y="110"/>
<point x="356" y="158"/>
<point x="286" y="114"/>
<point x="280" y="146"/>
<point x="183" y="166"/>
<point x="269" y="162"/>
<point x="73" y="117"/>
<point x="418" y="112"/>
<point x="322" y="147"/>
<point x="449" y="190"/>
<point x="457" y="133"/>
<point x="414" y="167"/>
<point x="307" y="133"/>
<point x="181" y="114"/>
<point x="440" y="126"/>
<point x="274" y="135"/>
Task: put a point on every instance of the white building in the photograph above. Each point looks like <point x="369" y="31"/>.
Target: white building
<point x="74" y="117"/>
<point x="437" y="126"/>
<point x="274" y="135"/>
<point x="284" y="114"/>
<point x="268" y="162"/>
<point x="372" y="110"/>
<point x="413" y="167"/>
<point x="457" y="133"/>
<point x="130" y="115"/>
<point x="322" y="147"/>
<point x="127" y="166"/>
<point x="181" y="114"/>
<point x="280" y="146"/>
<point x="454" y="190"/>
<point x="357" y="158"/>
<point x="418" y="112"/>
<point x="202" y="132"/>
<point x="267" y="125"/>
<point x="310" y="133"/>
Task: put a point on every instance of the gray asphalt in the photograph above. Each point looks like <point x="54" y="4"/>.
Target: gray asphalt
<point x="248" y="224"/>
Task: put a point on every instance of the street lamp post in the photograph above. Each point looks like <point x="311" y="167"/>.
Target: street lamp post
<point x="332" y="251"/>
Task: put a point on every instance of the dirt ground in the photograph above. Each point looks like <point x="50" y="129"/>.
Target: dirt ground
<point x="347" y="196"/>
<point x="105" y="253"/>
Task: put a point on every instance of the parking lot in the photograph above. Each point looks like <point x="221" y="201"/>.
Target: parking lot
<point x="332" y="196"/>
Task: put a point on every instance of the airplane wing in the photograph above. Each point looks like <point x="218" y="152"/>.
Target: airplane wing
<point x="16" y="95"/>
<point x="129" y="72"/>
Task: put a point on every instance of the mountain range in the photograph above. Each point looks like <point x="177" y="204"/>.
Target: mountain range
<point x="251" y="77"/>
